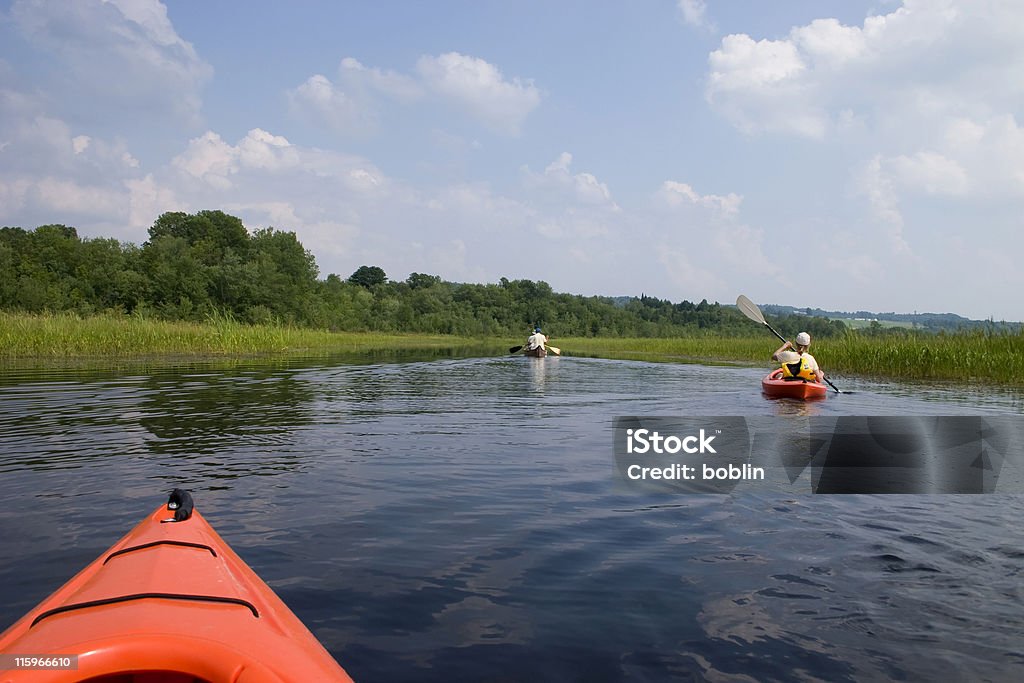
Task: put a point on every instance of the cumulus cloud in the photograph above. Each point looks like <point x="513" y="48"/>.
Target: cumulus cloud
<point x="579" y="188"/>
<point x="568" y="205"/>
<point x="923" y="62"/>
<point x="155" y="68"/>
<point x="322" y="102"/>
<point x="211" y="159"/>
<point x="675" y="194"/>
<point x="920" y="103"/>
<point x="480" y="87"/>
<point x="352" y="102"/>
<point x="392" y="84"/>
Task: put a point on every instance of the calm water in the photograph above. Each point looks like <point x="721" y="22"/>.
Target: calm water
<point x="461" y="520"/>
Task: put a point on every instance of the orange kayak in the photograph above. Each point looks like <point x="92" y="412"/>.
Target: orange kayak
<point x="168" y="603"/>
<point x="775" y="386"/>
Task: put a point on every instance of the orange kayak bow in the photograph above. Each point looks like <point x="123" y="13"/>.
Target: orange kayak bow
<point x="168" y="603"/>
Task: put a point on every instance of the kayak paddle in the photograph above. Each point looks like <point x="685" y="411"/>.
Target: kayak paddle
<point x="749" y="309"/>
<point x="516" y="349"/>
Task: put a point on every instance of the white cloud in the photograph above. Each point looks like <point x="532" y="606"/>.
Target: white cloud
<point x="827" y="44"/>
<point x="920" y="104"/>
<point x="322" y="102"/>
<point x="209" y="158"/>
<point x="878" y="185"/>
<point x="675" y="194"/>
<point x="354" y="103"/>
<point x="147" y="200"/>
<point x="930" y="172"/>
<point x="695" y="13"/>
<point x="583" y="189"/>
<point x="390" y="83"/>
<point x="481" y="88"/>
<point x="922" y="63"/>
<point x="711" y="228"/>
<point x="759" y="86"/>
<point x="260" y="149"/>
<point x="122" y="54"/>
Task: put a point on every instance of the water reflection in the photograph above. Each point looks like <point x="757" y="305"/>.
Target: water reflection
<point x="464" y="515"/>
<point x="789" y="407"/>
<point x="538" y="373"/>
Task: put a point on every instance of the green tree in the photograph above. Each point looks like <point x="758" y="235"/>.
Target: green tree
<point x="420" y="280"/>
<point x="368" y="276"/>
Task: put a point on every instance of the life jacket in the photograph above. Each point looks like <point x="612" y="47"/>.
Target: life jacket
<point x="799" y="369"/>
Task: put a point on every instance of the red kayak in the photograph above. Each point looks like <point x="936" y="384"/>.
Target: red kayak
<point x="168" y="603"/>
<point x="775" y="386"/>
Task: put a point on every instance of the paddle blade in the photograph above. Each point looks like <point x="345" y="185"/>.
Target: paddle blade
<point x="749" y="309"/>
<point x="516" y="349"/>
<point x="555" y="350"/>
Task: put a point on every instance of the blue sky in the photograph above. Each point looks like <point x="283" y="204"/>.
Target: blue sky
<point x="843" y="155"/>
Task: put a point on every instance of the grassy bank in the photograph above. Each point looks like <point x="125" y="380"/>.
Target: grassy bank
<point x="972" y="356"/>
<point x="60" y="336"/>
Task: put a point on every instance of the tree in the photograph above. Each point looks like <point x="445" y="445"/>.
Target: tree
<point x="368" y="276"/>
<point x="211" y="234"/>
<point x="420" y="280"/>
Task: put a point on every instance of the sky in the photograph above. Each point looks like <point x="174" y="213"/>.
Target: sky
<point x="842" y="155"/>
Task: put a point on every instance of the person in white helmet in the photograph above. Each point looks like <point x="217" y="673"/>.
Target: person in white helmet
<point x="798" y="364"/>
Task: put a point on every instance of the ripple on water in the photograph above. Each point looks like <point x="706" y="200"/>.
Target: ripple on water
<point x="463" y="515"/>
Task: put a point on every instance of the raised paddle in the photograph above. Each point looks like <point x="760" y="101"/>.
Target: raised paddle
<point x="516" y="349"/>
<point x="749" y="309"/>
<point x="555" y="350"/>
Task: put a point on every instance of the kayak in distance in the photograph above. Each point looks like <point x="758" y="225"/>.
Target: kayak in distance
<point x="170" y="602"/>
<point x="538" y="352"/>
<point x="775" y="386"/>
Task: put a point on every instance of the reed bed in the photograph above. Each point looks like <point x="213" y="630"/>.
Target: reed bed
<point x="69" y="336"/>
<point x="992" y="357"/>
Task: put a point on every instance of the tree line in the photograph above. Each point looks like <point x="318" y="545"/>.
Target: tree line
<point x="194" y="266"/>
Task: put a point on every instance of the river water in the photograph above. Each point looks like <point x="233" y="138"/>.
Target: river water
<point x="461" y="519"/>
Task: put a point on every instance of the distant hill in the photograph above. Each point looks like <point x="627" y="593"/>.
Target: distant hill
<point x="925" y="321"/>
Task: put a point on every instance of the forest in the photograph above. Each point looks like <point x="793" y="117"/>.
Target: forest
<point x="207" y="264"/>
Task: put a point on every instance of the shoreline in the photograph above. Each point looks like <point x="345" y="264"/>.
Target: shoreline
<point x="971" y="357"/>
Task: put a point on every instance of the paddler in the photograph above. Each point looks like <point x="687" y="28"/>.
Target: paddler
<point x="798" y="364"/>
<point x="536" y="340"/>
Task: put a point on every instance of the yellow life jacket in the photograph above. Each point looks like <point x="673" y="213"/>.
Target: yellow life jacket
<point x="799" y="368"/>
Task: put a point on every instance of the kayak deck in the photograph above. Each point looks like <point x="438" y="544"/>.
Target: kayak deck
<point x="775" y="386"/>
<point x="169" y="602"/>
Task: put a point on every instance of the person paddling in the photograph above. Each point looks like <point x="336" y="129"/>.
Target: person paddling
<point x="798" y="364"/>
<point x="536" y="340"/>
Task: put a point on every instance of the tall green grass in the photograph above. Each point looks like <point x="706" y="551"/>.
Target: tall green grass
<point x="69" y="336"/>
<point x="978" y="356"/>
<point x="994" y="357"/>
